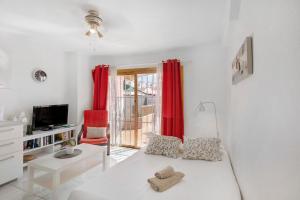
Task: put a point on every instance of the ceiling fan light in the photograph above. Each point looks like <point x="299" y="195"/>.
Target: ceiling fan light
<point x="94" y="21"/>
<point x="92" y="30"/>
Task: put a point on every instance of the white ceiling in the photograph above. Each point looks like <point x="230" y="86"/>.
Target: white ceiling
<point x="131" y="26"/>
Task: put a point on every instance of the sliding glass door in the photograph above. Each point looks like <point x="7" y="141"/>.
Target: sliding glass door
<point x="137" y="93"/>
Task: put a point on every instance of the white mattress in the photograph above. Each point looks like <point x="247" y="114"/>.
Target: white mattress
<point x="203" y="180"/>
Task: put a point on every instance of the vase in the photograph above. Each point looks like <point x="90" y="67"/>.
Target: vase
<point x="69" y="150"/>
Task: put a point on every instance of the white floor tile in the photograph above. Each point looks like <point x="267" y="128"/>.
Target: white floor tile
<point x="9" y="192"/>
<point x="63" y="191"/>
<point x="16" y="190"/>
<point x="22" y="184"/>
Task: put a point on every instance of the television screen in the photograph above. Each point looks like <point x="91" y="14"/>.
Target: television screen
<point x="45" y="116"/>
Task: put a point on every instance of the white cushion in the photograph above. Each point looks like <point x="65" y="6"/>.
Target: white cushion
<point x="95" y="132"/>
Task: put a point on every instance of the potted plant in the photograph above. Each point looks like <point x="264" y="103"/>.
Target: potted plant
<point x="69" y="146"/>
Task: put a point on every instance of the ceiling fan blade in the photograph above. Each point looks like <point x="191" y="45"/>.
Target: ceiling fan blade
<point x="88" y="33"/>
<point x="99" y="34"/>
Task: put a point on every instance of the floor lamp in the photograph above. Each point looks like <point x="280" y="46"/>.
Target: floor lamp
<point x="201" y="108"/>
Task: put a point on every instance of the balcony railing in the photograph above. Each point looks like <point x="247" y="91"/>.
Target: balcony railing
<point x="145" y="119"/>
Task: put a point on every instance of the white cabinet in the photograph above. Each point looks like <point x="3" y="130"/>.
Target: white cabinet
<point x="11" y="151"/>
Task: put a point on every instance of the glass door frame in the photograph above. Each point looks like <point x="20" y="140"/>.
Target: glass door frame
<point x="135" y="72"/>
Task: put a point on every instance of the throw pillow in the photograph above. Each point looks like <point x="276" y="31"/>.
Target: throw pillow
<point x="202" y="149"/>
<point x="164" y="145"/>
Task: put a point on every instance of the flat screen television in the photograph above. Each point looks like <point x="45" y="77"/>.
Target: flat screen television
<point x="50" y="116"/>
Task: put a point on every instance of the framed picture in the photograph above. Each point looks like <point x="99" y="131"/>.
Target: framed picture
<point x="242" y="65"/>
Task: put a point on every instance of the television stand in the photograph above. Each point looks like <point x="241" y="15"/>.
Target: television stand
<point x="47" y="129"/>
<point x="43" y="142"/>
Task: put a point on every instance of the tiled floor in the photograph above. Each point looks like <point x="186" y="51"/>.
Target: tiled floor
<point x="16" y="190"/>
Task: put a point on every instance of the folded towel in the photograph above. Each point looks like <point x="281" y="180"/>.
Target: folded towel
<point x="161" y="185"/>
<point x="165" y="173"/>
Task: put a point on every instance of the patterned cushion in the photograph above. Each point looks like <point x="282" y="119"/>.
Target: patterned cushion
<point x="202" y="149"/>
<point x="164" y="145"/>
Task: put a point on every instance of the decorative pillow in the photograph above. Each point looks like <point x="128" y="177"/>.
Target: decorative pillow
<point x="95" y="132"/>
<point x="164" y="145"/>
<point x="202" y="149"/>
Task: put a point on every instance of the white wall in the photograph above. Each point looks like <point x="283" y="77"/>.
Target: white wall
<point x="264" y="133"/>
<point x="23" y="91"/>
<point x="78" y="85"/>
<point x="84" y="86"/>
<point x="71" y="84"/>
<point x="203" y="80"/>
<point x="63" y="85"/>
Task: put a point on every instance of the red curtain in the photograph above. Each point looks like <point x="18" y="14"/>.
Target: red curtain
<point x="100" y="77"/>
<point x="172" y="101"/>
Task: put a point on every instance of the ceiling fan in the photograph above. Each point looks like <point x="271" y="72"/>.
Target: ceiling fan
<point x="94" y="22"/>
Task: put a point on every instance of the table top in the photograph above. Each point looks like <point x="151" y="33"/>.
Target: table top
<point x="50" y="163"/>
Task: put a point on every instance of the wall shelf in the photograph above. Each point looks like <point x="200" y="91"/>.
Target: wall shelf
<point x="46" y="141"/>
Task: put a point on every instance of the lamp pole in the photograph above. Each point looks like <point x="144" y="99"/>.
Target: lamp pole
<point x="201" y="107"/>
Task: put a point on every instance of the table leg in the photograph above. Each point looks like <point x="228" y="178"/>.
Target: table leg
<point x="30" y="179"/>
<point x="56" y="183"/>
<point x="104" y="160"/>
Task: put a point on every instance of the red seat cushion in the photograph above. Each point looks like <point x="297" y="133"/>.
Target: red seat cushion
<point x="102" y="140"/>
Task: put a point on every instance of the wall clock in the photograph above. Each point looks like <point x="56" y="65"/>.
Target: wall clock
<point x="39" y="75"/>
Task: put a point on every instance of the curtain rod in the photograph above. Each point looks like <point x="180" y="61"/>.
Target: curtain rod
<point x="145" y="64"/>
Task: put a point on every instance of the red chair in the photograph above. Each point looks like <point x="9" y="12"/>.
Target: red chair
<point x="96" y="118"/>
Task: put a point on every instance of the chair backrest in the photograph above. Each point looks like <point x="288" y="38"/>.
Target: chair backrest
<point x="94" y="118"/>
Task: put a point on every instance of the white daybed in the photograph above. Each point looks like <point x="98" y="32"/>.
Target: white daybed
<point x="203" y="180"/>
